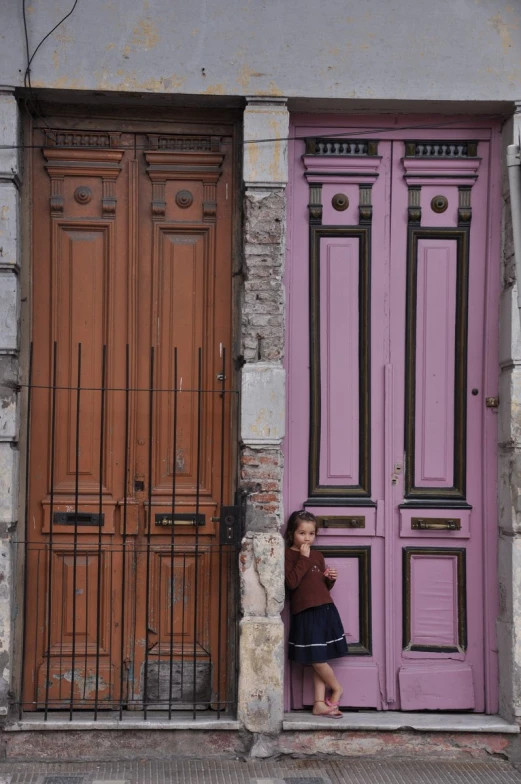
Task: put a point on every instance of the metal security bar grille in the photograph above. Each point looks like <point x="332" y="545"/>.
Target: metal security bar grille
<point x="131" y="551"/>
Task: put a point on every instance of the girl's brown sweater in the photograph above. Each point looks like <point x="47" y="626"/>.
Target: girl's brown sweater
<point x="305" y="580"/>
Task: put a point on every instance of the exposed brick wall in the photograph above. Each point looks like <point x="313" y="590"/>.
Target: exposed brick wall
<point x="262" y="313"/>
<point x="261" y="477"/>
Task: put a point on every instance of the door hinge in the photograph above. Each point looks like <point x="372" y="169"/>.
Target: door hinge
<point x="492" y="402"/>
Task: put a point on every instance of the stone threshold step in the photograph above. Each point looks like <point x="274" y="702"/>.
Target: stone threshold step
<point x="391" y="721"/>
<point x="61" y="721"/>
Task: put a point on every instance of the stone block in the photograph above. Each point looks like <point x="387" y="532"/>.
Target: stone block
<point x="509" y="327"/>
<point x="262" y="575"/>
<point x="261" y="677"/>
<point x="509" y="490"/>
<point x="8" y="311"/>
<point x="9" y="136"/>
<point x="9" y="225"/>
<point x="262" y="403"/>
<point x="8" y="483"/>
<point x="8" y="398"/>
<point x="266" y="161"/>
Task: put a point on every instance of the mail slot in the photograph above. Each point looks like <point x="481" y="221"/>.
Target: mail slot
<point x="168" y="520"/>
<point x="78" y="518"/>
<point x="342" y="522"/>
<point x="436" y="524"/>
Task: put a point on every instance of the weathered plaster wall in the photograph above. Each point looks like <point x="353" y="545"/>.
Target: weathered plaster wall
<point x="456" y="49"/>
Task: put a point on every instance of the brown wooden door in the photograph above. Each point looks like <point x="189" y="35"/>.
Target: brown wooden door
<point x="131" y="420"/>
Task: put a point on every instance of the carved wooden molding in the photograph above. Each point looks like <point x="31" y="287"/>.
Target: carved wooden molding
<point x="315" y="204"/>
<point x="184" y="143"/>
<point x="354" y="169"/>
<point x="65" y="162"/>
<point x="201" y="166"/>
<point x="440" y="171"/>
<point x="82" y="139"/>
<point x="441" y="149"/>
<point x="332" y="147"/>
<point x="414" y="205"/>
<point x="365" y="208"/>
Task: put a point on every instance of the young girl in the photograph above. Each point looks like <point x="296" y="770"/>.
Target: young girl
<point x="316" y="633"/>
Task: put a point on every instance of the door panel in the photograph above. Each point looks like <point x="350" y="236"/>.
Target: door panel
<point x="131" y="427"/>
<point x="394" y="461"/>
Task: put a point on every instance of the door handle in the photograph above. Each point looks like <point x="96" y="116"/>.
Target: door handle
<point x="436" y="524"/>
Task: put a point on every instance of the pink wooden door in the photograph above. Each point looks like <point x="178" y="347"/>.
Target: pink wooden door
<point x="392" y="329"/>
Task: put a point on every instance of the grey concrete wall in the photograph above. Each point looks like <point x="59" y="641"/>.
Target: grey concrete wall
<point x="466" y="50"/>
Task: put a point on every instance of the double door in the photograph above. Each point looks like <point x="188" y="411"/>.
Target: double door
<point x="129" y="579"/>
<point x="392" y="404"/>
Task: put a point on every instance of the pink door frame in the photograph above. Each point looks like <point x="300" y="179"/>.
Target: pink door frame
<point x="387" y="529"/>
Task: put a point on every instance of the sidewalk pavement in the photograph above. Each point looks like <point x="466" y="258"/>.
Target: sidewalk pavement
<point x="287" y="771"/>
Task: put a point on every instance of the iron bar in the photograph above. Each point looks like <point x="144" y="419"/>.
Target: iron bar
<point x="197" y="500"/>
<point x="149" y="527"/>
<point x="26" y="512"/>
<point x="100" y="508"/>
<point x="75" y="548"/>
<point x="51" y="522"/>
<point x="221" y="502"/>
<point x="124" y="556"/>
<point x="172" y="540"/>
<point x="99" y="571"/>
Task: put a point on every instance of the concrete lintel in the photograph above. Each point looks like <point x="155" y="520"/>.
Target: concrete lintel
<point x="392" y="721"/>
<point x="266" y="129"/>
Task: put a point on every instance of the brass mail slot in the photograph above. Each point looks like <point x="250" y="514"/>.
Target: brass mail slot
<point x="168" y="520"/>
<point x="341" y="522"/>
<point x="436" y="524"/>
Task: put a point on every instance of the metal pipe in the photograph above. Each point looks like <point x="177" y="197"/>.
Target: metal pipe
<point x="514" y="180"/>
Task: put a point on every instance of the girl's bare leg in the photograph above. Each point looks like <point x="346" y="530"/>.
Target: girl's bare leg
<point x="319" y="688"/>
<point x="327" y="677"/>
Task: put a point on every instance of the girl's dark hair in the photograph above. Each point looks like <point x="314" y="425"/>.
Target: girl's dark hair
<point x="300" y="516"/>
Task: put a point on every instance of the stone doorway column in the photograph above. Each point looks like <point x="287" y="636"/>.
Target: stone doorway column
<point x="261" y="648"/>
<point x="509" y="560"/>
<point x="9" y="347"/>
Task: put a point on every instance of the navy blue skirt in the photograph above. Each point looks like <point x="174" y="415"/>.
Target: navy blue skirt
<point x="316" y="635"/>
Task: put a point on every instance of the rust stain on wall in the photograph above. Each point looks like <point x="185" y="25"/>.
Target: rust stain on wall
<point x="145" y="35"/>
<point x="504" y="29"/>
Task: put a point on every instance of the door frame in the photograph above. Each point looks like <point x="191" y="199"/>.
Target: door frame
<point x="86" y="113"/>
<point x="302" y="125"/>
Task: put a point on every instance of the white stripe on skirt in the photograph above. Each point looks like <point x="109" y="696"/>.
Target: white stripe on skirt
<point x="316" y="644"/>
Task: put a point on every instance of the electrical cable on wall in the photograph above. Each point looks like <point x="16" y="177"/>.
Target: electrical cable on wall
<point x="32" y="101"/>
<point x="340" y="135"/>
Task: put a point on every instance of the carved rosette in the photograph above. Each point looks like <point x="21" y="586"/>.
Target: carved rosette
<point x="82" y="194"/>
<point x="184" y="199"/>
<point x="340" y="202"/>
<point x="439" y="203"/>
